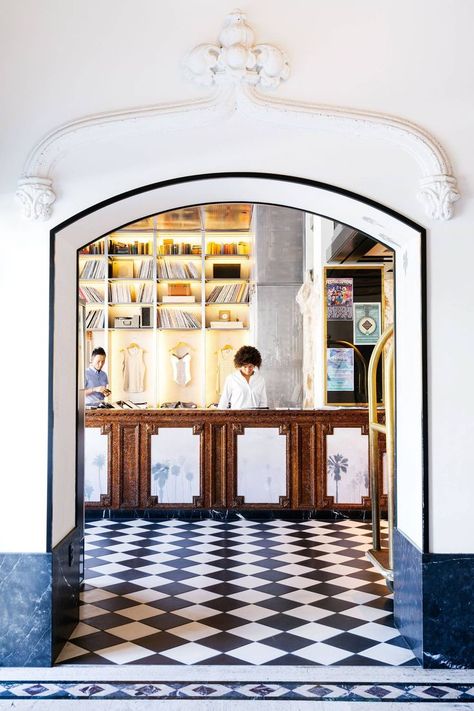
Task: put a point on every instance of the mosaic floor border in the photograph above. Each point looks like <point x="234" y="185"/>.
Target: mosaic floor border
<point x="291" y="691"/>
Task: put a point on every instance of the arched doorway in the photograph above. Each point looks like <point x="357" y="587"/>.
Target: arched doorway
<point x="403" y="237"/>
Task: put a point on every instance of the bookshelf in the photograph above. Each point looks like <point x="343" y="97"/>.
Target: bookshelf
<point x="183" y="293"/>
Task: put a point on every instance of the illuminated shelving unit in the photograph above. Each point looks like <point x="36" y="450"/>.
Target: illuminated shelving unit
<point x="181" y="289"/>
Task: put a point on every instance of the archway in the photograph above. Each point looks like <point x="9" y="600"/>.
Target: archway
<point x="405" y="238"/>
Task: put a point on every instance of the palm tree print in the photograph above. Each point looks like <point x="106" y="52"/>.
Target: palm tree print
<point x="337" y="465"/>
<point x="99" y="462"/>
<point x="160" y="474"/>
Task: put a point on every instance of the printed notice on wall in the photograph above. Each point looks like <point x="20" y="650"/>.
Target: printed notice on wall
<point x="340" y="369"/>
<point x="339" y="299"/>
<point x="366" y="324"/>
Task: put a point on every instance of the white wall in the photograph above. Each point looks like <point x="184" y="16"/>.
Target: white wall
<point x="60" y="61"/>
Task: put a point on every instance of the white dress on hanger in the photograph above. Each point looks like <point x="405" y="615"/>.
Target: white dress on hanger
<point x="181" y="367"/>
<point x="133" y="370"/>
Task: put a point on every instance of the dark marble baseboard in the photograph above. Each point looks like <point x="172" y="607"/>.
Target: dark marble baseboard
<point x="448" y="621"/>
<point x="94" y="514"/>
<point x="434" y="605"/>
<point x="25" y="609"/>
<point x="66" y="558"/>
<point x="408" y="586"/>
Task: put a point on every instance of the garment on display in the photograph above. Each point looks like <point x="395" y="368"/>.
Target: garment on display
<point x="133" y="368"/>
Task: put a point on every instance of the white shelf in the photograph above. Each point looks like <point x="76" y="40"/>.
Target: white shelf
<point x="228" y="281"/>
<point x="179" y="256"/>
<point x="130" y="303"/>
<point x="179" y="303"/>
<point x="227" y="256"/>
<point x="130" y="256"/>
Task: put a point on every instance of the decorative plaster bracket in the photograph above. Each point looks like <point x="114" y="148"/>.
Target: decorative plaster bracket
<point x="238" y="69"/>
<point x="36" y="197"/>
<point x="438" y="193"/>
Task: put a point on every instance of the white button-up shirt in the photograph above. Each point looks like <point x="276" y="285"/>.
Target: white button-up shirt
<point x="242" y="394"/>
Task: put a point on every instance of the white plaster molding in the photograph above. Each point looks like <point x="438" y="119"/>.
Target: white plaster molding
<point x="236" y="59"/>
<point x="237" y="81"/>
<point x="36" y="198"/>
<point x="438" y="193"/>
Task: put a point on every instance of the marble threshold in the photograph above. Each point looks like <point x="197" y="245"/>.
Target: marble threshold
<point x="195" y="673"/>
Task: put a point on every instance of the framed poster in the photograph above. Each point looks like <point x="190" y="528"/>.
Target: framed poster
<point x="367" y="326"/>
<point x="339" y="298"/>
<point x="340" y="369"/>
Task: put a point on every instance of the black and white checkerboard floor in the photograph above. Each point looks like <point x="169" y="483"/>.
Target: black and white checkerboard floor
<point x="240" y="592"/>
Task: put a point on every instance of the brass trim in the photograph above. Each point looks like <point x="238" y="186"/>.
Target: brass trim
<point x="388" y="429"/>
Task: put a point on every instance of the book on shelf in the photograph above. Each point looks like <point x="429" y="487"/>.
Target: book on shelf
<point x="216" y="249"/>
<point x="91" y="294"/>
<point x="120" y="293"/>
<point x="95" y="318"/>
<point x="146" y="269"/>
<point x="167" y="269"/>
<point x="171" y="248"/>
<point x="136" y="247"/>
<point x="93" y="269"/>
<point x="227" y="324"/>
<point x="175" y="318"/>
<point x="167" y="299"/>
<point x="144" y="293"/>
<point x="229" y="293"/>
<point x="94" y="248"/>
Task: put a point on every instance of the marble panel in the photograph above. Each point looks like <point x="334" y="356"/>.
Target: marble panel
<point x="25" y="609"/>
<point x="448" y="593"/>
<point x="408" y="586"/>
<point x="347" y="465"/>
<point x="175" y="465"/>
<point x="261" y="465"/>
<point x="66" y="558"/>
<point x="95" y="463"/>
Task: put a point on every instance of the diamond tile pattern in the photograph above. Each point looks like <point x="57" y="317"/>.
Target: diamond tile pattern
<point x="238" y="592"/>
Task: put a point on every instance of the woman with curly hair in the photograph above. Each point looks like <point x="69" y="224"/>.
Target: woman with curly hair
<point x="245" y="388"/>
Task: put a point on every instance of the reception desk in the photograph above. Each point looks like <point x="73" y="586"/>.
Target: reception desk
<point x="228" y="459"/>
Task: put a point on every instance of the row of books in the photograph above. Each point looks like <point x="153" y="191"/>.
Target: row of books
<point x="177" y="270"/>
<point x="229" y="293"/>
<point x="130" y="247"/>
<point x="94" y="248"/>
<point x="175" y="318"/>
<point x="91" y="294"/>
<point x="93" y="269"/>
<point x="144" y="293"/>
<point x="214" y="248"/>
<point x="169" y="246"/>
<point x="95" y="318"/>
<point x="146" y="269"/>
<point x="120" y="293"/>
